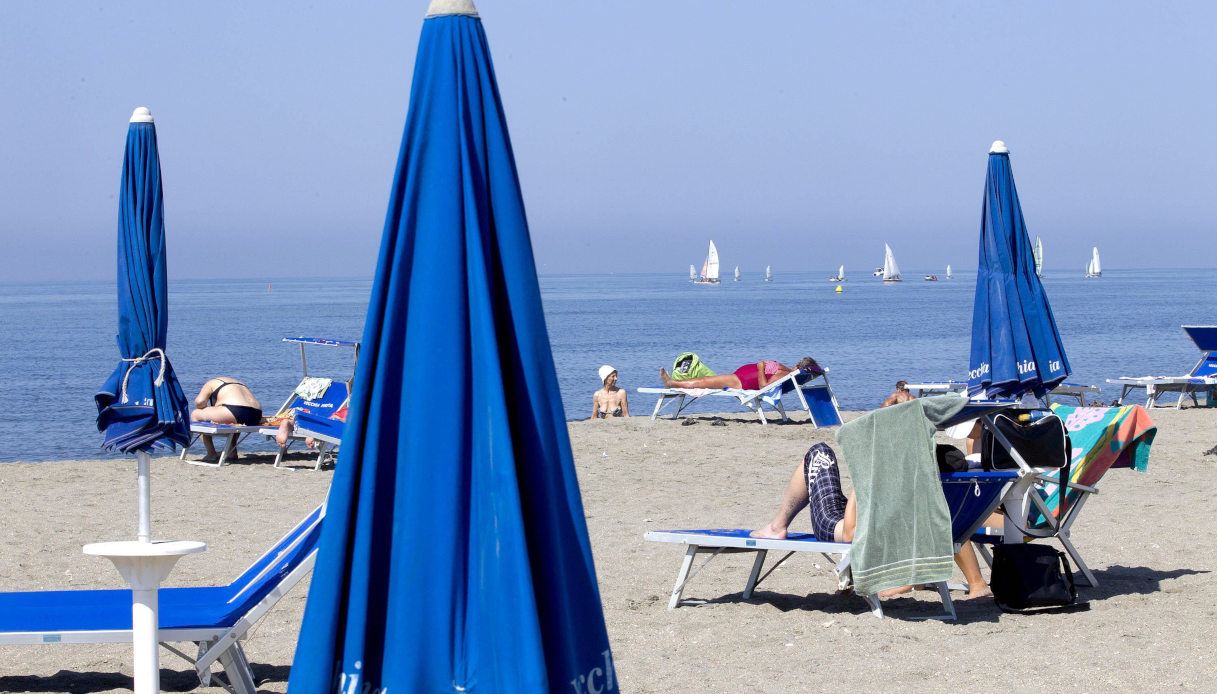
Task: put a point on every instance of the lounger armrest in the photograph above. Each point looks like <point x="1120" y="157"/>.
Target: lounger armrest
<point x="1072" y="485"/>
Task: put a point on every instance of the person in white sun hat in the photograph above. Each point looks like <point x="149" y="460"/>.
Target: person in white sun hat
<point x="609" y="401"/>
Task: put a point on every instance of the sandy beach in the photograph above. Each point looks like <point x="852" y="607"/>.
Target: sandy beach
<point x="1150" y="625"/>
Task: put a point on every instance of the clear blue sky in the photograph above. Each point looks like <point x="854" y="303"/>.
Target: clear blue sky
<point x="798" y="134"/>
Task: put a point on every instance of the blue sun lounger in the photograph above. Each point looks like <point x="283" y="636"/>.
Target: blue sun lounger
<point x="325" y="431"/>
<point x="214" y="618"/>
<point x="1203" y="376"/>
<point x="971" y="497"/>
<point x="812" y="390"/>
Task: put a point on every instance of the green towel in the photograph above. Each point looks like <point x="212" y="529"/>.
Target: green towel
<point x="903" y="532"/>
<point x="689" y="365"/>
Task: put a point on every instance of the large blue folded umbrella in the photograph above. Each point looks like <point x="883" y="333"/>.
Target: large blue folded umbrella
<point x="141" y="405"/>
<point x="454" y="554"/>
<point x="1016" y="347"/>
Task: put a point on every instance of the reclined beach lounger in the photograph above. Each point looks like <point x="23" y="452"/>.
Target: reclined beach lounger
<point x="321" y="404"/>
<point x="1102" y="438"/>
<point x="216" y="619"/>
<point x="1201" y="379"/>
<point x="325" y="431"/>
<point x="971" y="498"/>
<point x="813" y="391"/>
<point x="1068" y="390"/>
<point x="1076" y="391"/>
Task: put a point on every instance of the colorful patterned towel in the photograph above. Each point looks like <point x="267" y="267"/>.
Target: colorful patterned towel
<point x="1102" y="437"/>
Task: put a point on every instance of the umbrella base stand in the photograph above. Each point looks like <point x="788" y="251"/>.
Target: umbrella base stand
<point x="145" y="565"/>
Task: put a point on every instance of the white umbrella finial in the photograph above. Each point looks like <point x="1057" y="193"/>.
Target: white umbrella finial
<point x="998" y="147"/>
<point x="439" y="8"/>
<point x="141" y="115"/>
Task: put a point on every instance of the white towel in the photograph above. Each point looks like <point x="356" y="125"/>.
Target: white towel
<point x="313" y="387"/>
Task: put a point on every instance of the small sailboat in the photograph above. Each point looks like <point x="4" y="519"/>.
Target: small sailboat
<point x="931" y="278"/>
<point x="768" y="274"/>
<point x="737" y="273"/>
<point x="692" y="273"/>
<point x="949" y="272"/>
<point x="840" y="276"/>
<point x="1039" y="257"/>
<point x="1094" y="269"/>
<point x="891" y="271"/>
<point x="709" y="269"/>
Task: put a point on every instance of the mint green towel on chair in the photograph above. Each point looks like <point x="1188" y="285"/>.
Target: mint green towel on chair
<point x="903" y="532"/>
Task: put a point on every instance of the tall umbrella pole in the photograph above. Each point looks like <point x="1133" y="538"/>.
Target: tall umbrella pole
<point x="143" y="460"/>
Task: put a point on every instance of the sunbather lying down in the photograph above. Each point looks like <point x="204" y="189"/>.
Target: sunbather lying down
<point x="816" y="484"/>
<point x="748" y="377"/>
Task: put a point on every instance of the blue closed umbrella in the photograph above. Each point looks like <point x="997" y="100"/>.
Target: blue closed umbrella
<point x="454" y="555"/>
<point x="141" y="406"/>
<point x="1016" y="347"/>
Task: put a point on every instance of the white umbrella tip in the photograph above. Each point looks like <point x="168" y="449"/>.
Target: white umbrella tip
<point x="998" y="147"/>
<point x="439" y="8"/>
<point x="141" y="115"/>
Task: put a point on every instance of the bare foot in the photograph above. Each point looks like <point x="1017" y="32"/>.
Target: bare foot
<point x="211" y="458"/>
<point x="665" y="378"/>
<point x="285" y="430"/>
<point x="768" y="532"/>
<point x="979" y="593"/>
<point x="890" y="592"/>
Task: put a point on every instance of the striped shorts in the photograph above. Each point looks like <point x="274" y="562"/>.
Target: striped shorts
<point x="825" y="500"/>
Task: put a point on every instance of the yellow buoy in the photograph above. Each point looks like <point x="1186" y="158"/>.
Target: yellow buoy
<point x="839" y="289"/>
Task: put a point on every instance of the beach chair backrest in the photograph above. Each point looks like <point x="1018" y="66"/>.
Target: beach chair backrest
<point x="1207" y="366"/>
<point x="823" y="407"/>
<point x="324" y="405"/>
<point x="285" y="555"/>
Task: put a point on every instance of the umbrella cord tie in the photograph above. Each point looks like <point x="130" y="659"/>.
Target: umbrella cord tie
<point x="154" y="353"/>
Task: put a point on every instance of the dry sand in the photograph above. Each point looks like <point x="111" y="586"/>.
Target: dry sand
<point x="1151" y="624"/>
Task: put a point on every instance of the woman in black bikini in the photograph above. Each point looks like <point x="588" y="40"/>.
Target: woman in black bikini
<point x="225" y="401"/>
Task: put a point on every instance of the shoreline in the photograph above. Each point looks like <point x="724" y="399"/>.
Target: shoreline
<point x="1150" y="624"/>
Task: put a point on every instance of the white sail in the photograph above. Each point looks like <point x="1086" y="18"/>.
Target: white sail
<point x="1039" y="257"/>
<point x="891" y="271"/>
<point x="948" y="272"/>
<point x="709" y="271"/>
<point x="768" y="274"/>
<point x="1094" y="268"/>
<point x="737" y="273"/>
<point x="841" y="273"/>
<point x="692" y="273"/>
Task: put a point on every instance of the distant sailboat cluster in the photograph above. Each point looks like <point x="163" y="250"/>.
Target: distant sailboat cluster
<point x="709" y="269"/>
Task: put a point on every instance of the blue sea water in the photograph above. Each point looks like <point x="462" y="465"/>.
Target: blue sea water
<point x="57" y="344"/>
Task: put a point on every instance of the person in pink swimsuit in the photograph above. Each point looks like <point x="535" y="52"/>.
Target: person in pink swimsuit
<point x="747" y="377"/>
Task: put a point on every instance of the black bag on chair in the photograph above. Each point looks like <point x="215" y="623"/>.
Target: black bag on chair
<point x="1038" y="436"/>
<point x="1031" y="576"/>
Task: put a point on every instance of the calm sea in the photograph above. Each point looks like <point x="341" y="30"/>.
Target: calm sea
<point x="57" y="344"/>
